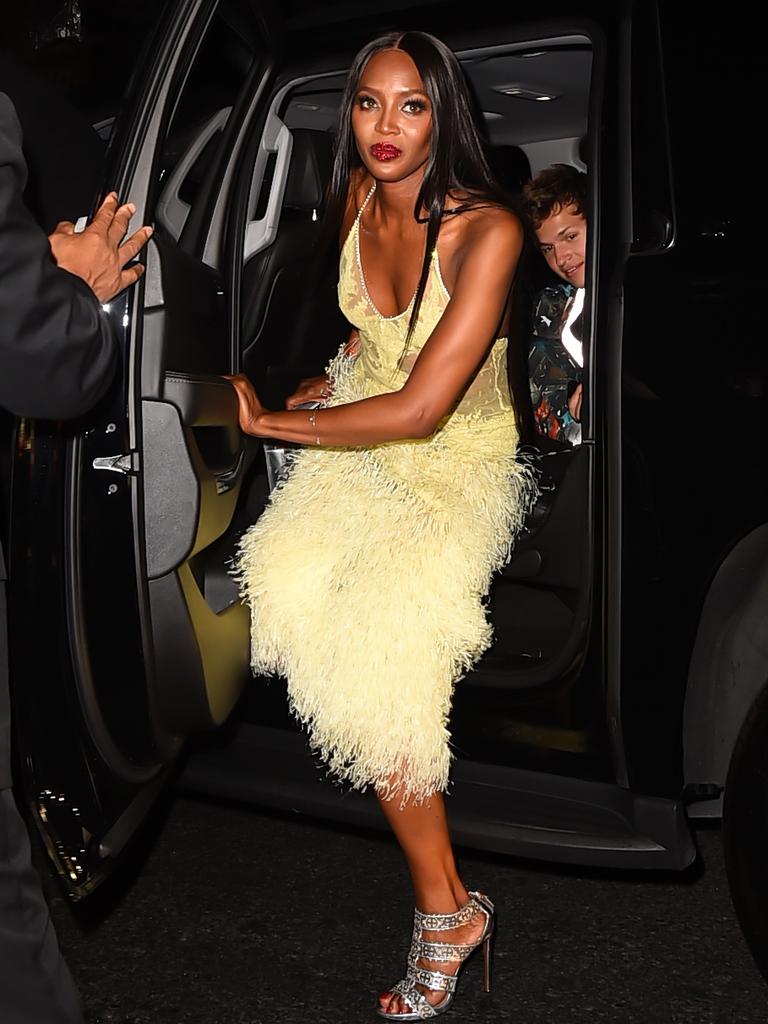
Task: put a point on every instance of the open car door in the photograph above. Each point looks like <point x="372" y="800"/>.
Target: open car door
<point x="127" y="633"/>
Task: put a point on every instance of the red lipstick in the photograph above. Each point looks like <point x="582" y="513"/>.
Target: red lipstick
<point x="385" y="151"/>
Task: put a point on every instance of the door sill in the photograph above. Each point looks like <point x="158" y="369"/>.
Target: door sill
<point x="492" y="807"/>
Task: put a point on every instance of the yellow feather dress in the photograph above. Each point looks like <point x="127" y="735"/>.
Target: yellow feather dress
<point x="367" y="574"/>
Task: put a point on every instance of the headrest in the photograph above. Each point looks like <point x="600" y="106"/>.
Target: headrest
<point x="510" y="165"/>
<point x="310" y="170"/>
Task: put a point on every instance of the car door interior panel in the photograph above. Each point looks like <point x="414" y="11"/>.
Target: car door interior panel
<point x="173" y="206"/>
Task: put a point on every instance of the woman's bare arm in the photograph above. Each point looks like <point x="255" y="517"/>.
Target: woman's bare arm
<point x="447" y="363"/>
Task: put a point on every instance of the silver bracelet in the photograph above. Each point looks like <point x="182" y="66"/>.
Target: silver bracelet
<point x="312" y="417"/>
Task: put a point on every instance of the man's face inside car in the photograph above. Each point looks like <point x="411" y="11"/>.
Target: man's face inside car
<point x="562" y="240"/>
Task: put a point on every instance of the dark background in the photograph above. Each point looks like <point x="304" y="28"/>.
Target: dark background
<point x="66" y="67"/>
<point x="86" y="48"/>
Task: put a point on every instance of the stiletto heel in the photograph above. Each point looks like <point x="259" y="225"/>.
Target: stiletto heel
<point x="442" y="952"/>
<point x="487" y="963"/>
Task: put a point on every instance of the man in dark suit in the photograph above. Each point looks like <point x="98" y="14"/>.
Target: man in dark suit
<point x="63" y="153"/>
<point x="57" y="358"/>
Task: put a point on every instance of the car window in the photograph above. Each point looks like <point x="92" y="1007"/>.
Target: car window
<point x="216" y="76"/>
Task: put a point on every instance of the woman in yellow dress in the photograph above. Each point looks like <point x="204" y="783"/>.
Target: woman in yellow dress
<point x="366" y="575"/>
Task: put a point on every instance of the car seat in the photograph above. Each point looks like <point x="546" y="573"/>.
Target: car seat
<point x="290" y="320"/>
<point x="510" y="167"/>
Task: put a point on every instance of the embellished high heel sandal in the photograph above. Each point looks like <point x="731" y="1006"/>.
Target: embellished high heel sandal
<point x="441" y="952"/>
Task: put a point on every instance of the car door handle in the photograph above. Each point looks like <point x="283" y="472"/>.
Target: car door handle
<point x="203" y="401"/>
<point x="209" y="410"/>
<point x="194" y="458"/>
<point x="276" y="139"/>
<point x="172" y="210"/>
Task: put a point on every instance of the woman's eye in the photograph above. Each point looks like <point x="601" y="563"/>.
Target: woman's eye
<point x="366" y="102"/>
<point x="414" y="106"/>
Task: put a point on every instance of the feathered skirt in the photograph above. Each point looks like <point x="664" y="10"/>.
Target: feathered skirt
<point x="366" y="578"/>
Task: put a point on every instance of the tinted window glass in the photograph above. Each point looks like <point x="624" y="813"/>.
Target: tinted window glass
<point x="217" y="74"/>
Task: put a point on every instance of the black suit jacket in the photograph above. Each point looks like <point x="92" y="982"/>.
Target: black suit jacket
<point x="63" y="153"/>
<point x="57" y="351"/>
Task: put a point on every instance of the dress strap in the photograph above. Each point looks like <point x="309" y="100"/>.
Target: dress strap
<point x="365" y="203"/>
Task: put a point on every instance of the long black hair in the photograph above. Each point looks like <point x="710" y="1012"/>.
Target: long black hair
<point x="457" y="165"/>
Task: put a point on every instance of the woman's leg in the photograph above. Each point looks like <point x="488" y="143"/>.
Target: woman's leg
<point x="422" y="832"/>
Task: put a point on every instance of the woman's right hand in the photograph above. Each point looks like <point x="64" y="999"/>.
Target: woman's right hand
<point x="311" y="389"/>
<point x="250" y="408"/>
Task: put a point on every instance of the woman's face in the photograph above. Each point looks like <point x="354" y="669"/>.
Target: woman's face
<point x="392" y="117"/>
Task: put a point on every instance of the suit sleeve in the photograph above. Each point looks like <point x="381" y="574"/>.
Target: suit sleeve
<point x="57" y="350"/>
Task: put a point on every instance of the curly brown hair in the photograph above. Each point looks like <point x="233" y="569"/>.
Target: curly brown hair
<point x="551" y="189"/>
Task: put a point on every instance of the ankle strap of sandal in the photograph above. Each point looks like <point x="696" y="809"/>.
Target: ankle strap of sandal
<point x="477" y="903"/>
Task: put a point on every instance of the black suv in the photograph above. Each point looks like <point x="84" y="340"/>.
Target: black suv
<point x="626" y="690"/>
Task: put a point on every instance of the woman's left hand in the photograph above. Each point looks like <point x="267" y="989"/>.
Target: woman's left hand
<point x="310" y="389"/>
<point x="250" y="406"/>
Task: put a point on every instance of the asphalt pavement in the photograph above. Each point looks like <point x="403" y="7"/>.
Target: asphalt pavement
<point x="231" y="915"/>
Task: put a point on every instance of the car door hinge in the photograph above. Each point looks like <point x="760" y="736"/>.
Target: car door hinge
<point x="128" y="463"/>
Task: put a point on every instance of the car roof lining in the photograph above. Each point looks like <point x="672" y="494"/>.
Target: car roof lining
<point x="560" y="66"/>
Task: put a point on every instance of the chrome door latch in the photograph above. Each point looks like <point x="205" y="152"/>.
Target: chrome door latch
<point x="119" y="463"/>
